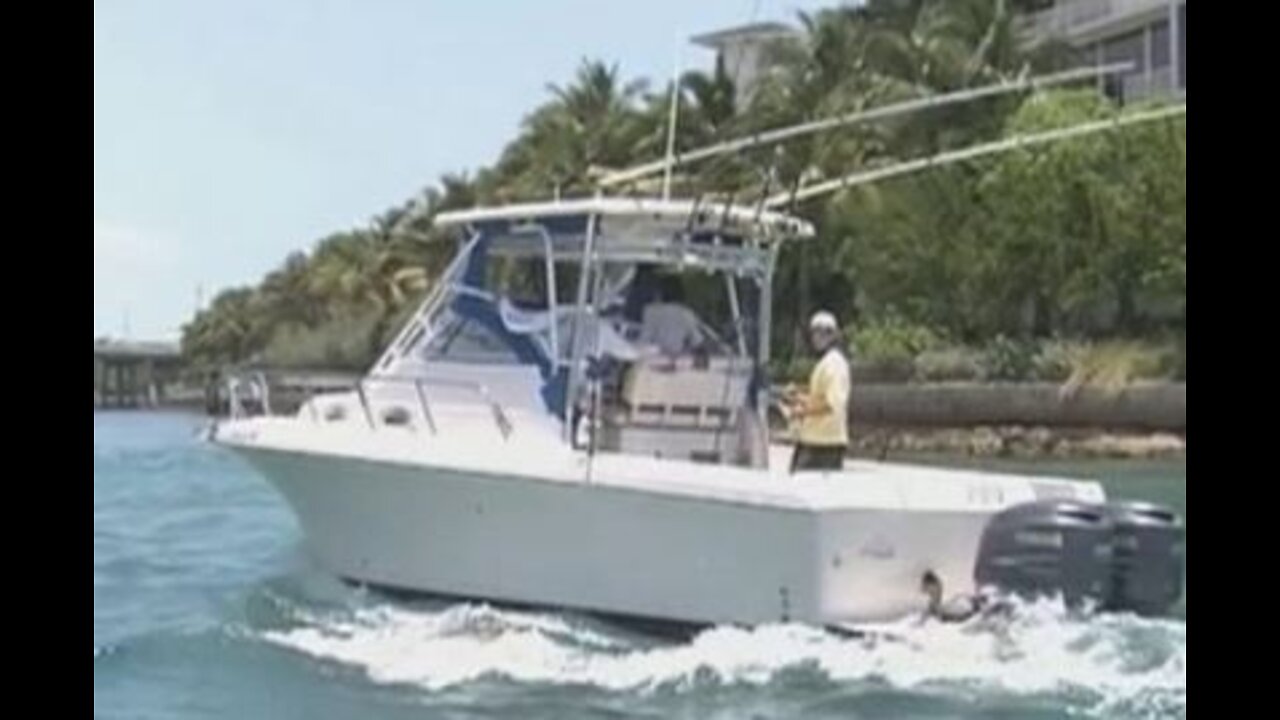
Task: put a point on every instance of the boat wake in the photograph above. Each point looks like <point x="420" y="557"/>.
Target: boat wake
<point x="1105" y="664"/>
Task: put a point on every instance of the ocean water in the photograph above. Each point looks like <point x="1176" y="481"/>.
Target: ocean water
<point x="206" y="605"/>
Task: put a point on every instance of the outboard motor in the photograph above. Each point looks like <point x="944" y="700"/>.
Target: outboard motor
<point x="1049" y="548"/>
<point x="1126" y="556"/>
<point x="1148" y="557"/>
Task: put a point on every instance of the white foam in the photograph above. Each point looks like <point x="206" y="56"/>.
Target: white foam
<point x="1105" y="662"/>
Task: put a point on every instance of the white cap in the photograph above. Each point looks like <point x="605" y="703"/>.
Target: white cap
<point x="823" y="320"/>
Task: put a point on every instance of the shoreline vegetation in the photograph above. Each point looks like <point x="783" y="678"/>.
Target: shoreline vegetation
<point x="1059" y="267"/>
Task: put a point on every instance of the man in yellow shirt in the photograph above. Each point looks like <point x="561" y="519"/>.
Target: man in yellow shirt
<point x="821" y="413"/>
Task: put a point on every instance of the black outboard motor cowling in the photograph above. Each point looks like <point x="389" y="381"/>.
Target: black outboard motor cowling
<point x="1124" y="556"/>
<point x="1049" y="548"/>
<point x="1148" y="557"/>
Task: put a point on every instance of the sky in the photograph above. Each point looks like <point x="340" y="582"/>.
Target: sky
<point x="228" y="134"/>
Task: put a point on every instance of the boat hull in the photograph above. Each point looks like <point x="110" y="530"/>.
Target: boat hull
<point x="617" y="550"/>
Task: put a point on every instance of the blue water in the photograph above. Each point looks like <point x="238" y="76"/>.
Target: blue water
<point x="205" y="605"/>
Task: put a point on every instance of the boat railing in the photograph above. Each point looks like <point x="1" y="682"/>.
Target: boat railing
<point x="257" y="388"/>
<point x="250" y="395"/>
<point x="420" y="387"/>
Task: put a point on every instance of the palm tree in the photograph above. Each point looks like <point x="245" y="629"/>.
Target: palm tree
<point x="225" y="332"/>
<point x="589" y="125"/>
<point x="287" y="295"/>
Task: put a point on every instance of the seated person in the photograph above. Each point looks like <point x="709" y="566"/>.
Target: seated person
<point x="669" y="324"/>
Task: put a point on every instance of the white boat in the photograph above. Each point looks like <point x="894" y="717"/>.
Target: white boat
<point x="517" y="443"/>
<point x="482" y="458"/>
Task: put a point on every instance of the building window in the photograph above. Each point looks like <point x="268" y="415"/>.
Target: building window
<point x="1182" y="46"/>
<point x="1130" y="48"/>
<point x="1160" y="49"/>
<point x="1126" y="48"/>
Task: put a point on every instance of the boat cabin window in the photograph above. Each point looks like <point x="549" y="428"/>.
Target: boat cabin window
<point x="467" y="339"/>
<point x="522" y="281"/>
<point x="656" y="355"/>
